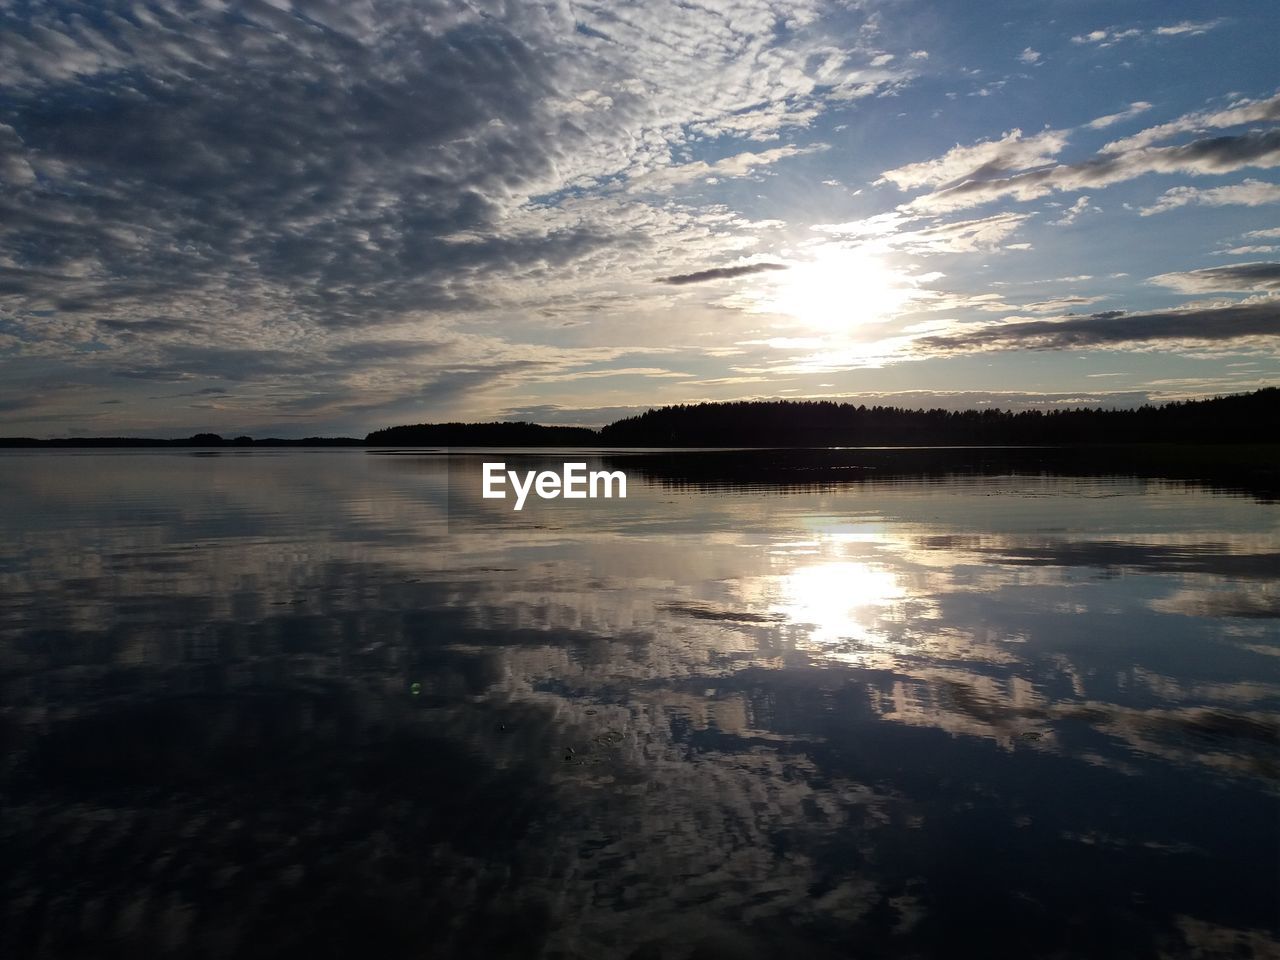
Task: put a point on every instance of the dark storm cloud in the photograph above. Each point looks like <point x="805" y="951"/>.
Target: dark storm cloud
<point x="1218" y="324"/>
<point x="720" y="273"/>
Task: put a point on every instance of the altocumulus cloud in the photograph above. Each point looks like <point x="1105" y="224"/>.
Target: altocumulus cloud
<point x="191" y="185"/>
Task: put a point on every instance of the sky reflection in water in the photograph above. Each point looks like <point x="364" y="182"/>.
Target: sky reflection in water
<point x="335" y="701"/>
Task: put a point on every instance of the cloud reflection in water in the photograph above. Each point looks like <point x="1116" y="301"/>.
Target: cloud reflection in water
<point x="886" y="718"/>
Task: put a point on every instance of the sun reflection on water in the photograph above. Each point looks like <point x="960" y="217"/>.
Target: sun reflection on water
<point x="840" y="600"/>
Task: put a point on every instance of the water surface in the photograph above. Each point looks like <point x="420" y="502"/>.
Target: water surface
<point x="258" y="703"/>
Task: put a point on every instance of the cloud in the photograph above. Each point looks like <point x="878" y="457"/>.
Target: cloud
<point x="1113" y="35"/>
<point x="1105" y="37"/>
<point x="569" y="376"/>
<point x="1239" y="113"/>
<point x="15" y="168"/>
<point x="1073" y="213"/>
<point x="986" y="159"/>
<point x="738" y="165"/>
<point x="720" y="273"/>
<point x="1250" y="193"/>
<point x="1025" y="168"/>
<point x="1195" y="325"/>
<point x="1258" y="276"/>
<point x="375" y="350"/>
<point x="1246" y="250"/>
<point x="145" y="325"/>
<point x="761" y="123"/>
<point x="985" y="302"/>
<point x="886" y="232"/>
<point x="1058" y="304"/>
<point x="261" y="182"/>
<point x="1208" y="156"/>
<point x="1133" y="110"/>
<point x="1029" y="56"/>
<point x="961" y="236"/>
<point x="1187" y="28"/>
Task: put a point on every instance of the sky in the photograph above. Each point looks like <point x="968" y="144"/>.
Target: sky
<point x="329" y="216"/>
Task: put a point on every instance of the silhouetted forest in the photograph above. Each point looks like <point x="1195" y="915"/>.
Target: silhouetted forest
<point x="1243" y="418"/>
<point x="519" y="434"/>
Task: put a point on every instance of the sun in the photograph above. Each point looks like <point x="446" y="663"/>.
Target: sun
<point x="839" y="290"/>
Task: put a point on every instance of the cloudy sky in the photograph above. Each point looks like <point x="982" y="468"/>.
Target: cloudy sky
<point x="327" y="216"/>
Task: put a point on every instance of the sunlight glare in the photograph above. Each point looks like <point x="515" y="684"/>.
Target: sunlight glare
<point x="839" y="290"/>
<point x="839" y="601"/>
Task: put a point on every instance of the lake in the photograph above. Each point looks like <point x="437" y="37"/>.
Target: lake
<point x="336" y="703"/>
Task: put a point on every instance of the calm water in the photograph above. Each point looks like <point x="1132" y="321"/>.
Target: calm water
<point x="260" y="703"/>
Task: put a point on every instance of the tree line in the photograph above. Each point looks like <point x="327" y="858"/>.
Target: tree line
<point x="1241" y="418"/>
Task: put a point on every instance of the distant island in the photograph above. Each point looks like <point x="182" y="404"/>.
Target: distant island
<point x="1252" y="418"/>
<point x="196" y="440"/>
